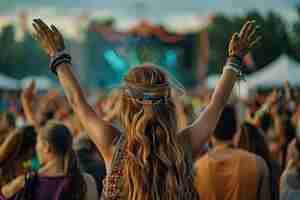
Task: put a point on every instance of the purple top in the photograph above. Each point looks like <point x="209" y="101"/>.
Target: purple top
<point x="49" y="188"/>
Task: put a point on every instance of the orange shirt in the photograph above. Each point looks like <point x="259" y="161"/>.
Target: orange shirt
<point x="229" y="174"/>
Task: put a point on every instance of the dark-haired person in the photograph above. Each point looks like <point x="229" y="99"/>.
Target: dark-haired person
<point x="253" y="139"/>
<point x="228" y="173"/>
<point x="290" y="179"/>
<point x="60" y="177"/>
<point x="89" y="159"/>
<point x="7" y="125"/>
<point x="17" y="154"/>
<point x="151" y="159"/>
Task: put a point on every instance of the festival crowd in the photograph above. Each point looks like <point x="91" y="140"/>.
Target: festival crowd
<point x="147" y="139"/>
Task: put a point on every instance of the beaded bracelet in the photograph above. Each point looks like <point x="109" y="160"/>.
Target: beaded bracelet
<point x="234" y="63"/>
<point x="61" y="57"/>
<point x="236" y="59"/>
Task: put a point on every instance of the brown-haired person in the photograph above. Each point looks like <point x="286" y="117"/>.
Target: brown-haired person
<point x="228" y="173"/>
<point x="17" y="153"/>
<point x="290" y="179"/>
<point x="151" y="159"/>
<point x="252" y="139"/>
<point x="7" y="125"/>
<point x="59" y="177"/>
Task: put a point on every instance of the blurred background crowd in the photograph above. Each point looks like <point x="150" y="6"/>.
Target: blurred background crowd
<point x="108" y="40"/>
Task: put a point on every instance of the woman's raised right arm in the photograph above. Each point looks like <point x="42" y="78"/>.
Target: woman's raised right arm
<point x="101" y="133"/>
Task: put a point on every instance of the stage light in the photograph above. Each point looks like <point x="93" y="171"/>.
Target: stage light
<point x="115" y="61"/>
<point x="171" y="58"/>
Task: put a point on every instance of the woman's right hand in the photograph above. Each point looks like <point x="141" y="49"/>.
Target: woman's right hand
<point x="50" y="39"/>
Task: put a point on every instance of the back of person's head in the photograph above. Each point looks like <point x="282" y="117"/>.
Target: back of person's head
<point x="265" y="122"/>
<point x="84" y="143"/>
<point x="148" y="116"/>
<point x="60" y="141"/>
<point x="227" y="124"/>
<point x="29" y="138"/>
<point x="44" y="116"/>
<point x="25" y="143"/>
<point x="253" y="140"/>
<point x="146" y="95"/>
<point x="8" y="120"/>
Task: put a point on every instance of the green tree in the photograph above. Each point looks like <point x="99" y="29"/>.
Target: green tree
<point x="295" y="38"/>
<point x="8" y="48"/>
<point x="220" y="32"/>
<point x="275" y="38"/>
<point x="273" y="30"/>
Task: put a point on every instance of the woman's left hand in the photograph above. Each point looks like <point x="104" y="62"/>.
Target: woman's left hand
<point x="50" y="39"/>
<point x="242" y="42"/>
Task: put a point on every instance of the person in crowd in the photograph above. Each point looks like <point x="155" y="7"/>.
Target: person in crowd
<point x="276" y="109"/>
<point x="290" y="179"/>
<point x="230" y="173"/>
<point x="253" y="140"/>
<point x="59" y="177"/>
<point x="43" y="111"/>
<point x="17" y="154"/>
<point x="90" y="161"/>
<point x="150" y="158"/>
<point x="7" y="125"/>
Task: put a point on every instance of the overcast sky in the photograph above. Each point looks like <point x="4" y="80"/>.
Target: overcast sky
<point x="155" y="9"/>
<point x="177" y="13"/>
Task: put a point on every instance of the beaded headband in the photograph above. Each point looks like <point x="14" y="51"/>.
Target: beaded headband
<point x="147" y="95"/>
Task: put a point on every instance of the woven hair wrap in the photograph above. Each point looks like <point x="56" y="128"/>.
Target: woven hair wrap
<point x="149" y="96"/>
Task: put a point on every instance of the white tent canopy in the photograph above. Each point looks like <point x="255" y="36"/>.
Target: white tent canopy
<point x="276" y="73"/>
<point x="42" y="82"/>
<point x="8" y="83"/>
<point x="241" y="89"/>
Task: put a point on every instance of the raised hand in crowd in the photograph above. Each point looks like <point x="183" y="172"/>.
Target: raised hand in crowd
<point x="240" y="44"/>
<point x="28" y="97"/>
<point x="101" y="132"/>
<point x="50" y="39"/>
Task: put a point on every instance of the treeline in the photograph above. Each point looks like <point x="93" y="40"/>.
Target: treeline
<point x="21" y="58"/>
<point x="279" y="37"/>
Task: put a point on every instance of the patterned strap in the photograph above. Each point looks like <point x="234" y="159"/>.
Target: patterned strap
<point x="112" y="183"/>
<point x="118" y="154"/>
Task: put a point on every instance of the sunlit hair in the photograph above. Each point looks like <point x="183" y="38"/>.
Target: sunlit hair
<point x="156" y="166"/>
<point x="60" y="139"/>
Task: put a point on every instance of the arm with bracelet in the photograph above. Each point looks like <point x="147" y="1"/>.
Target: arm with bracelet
<point x="205" y="124"/>
<point x="266" y="107"/>
<point x="102" y="133"/>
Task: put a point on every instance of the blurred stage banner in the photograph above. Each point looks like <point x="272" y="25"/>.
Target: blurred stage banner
<point x="111" y="53"/>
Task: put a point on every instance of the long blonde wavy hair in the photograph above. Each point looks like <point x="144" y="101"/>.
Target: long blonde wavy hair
<point x="156" y="165"/>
